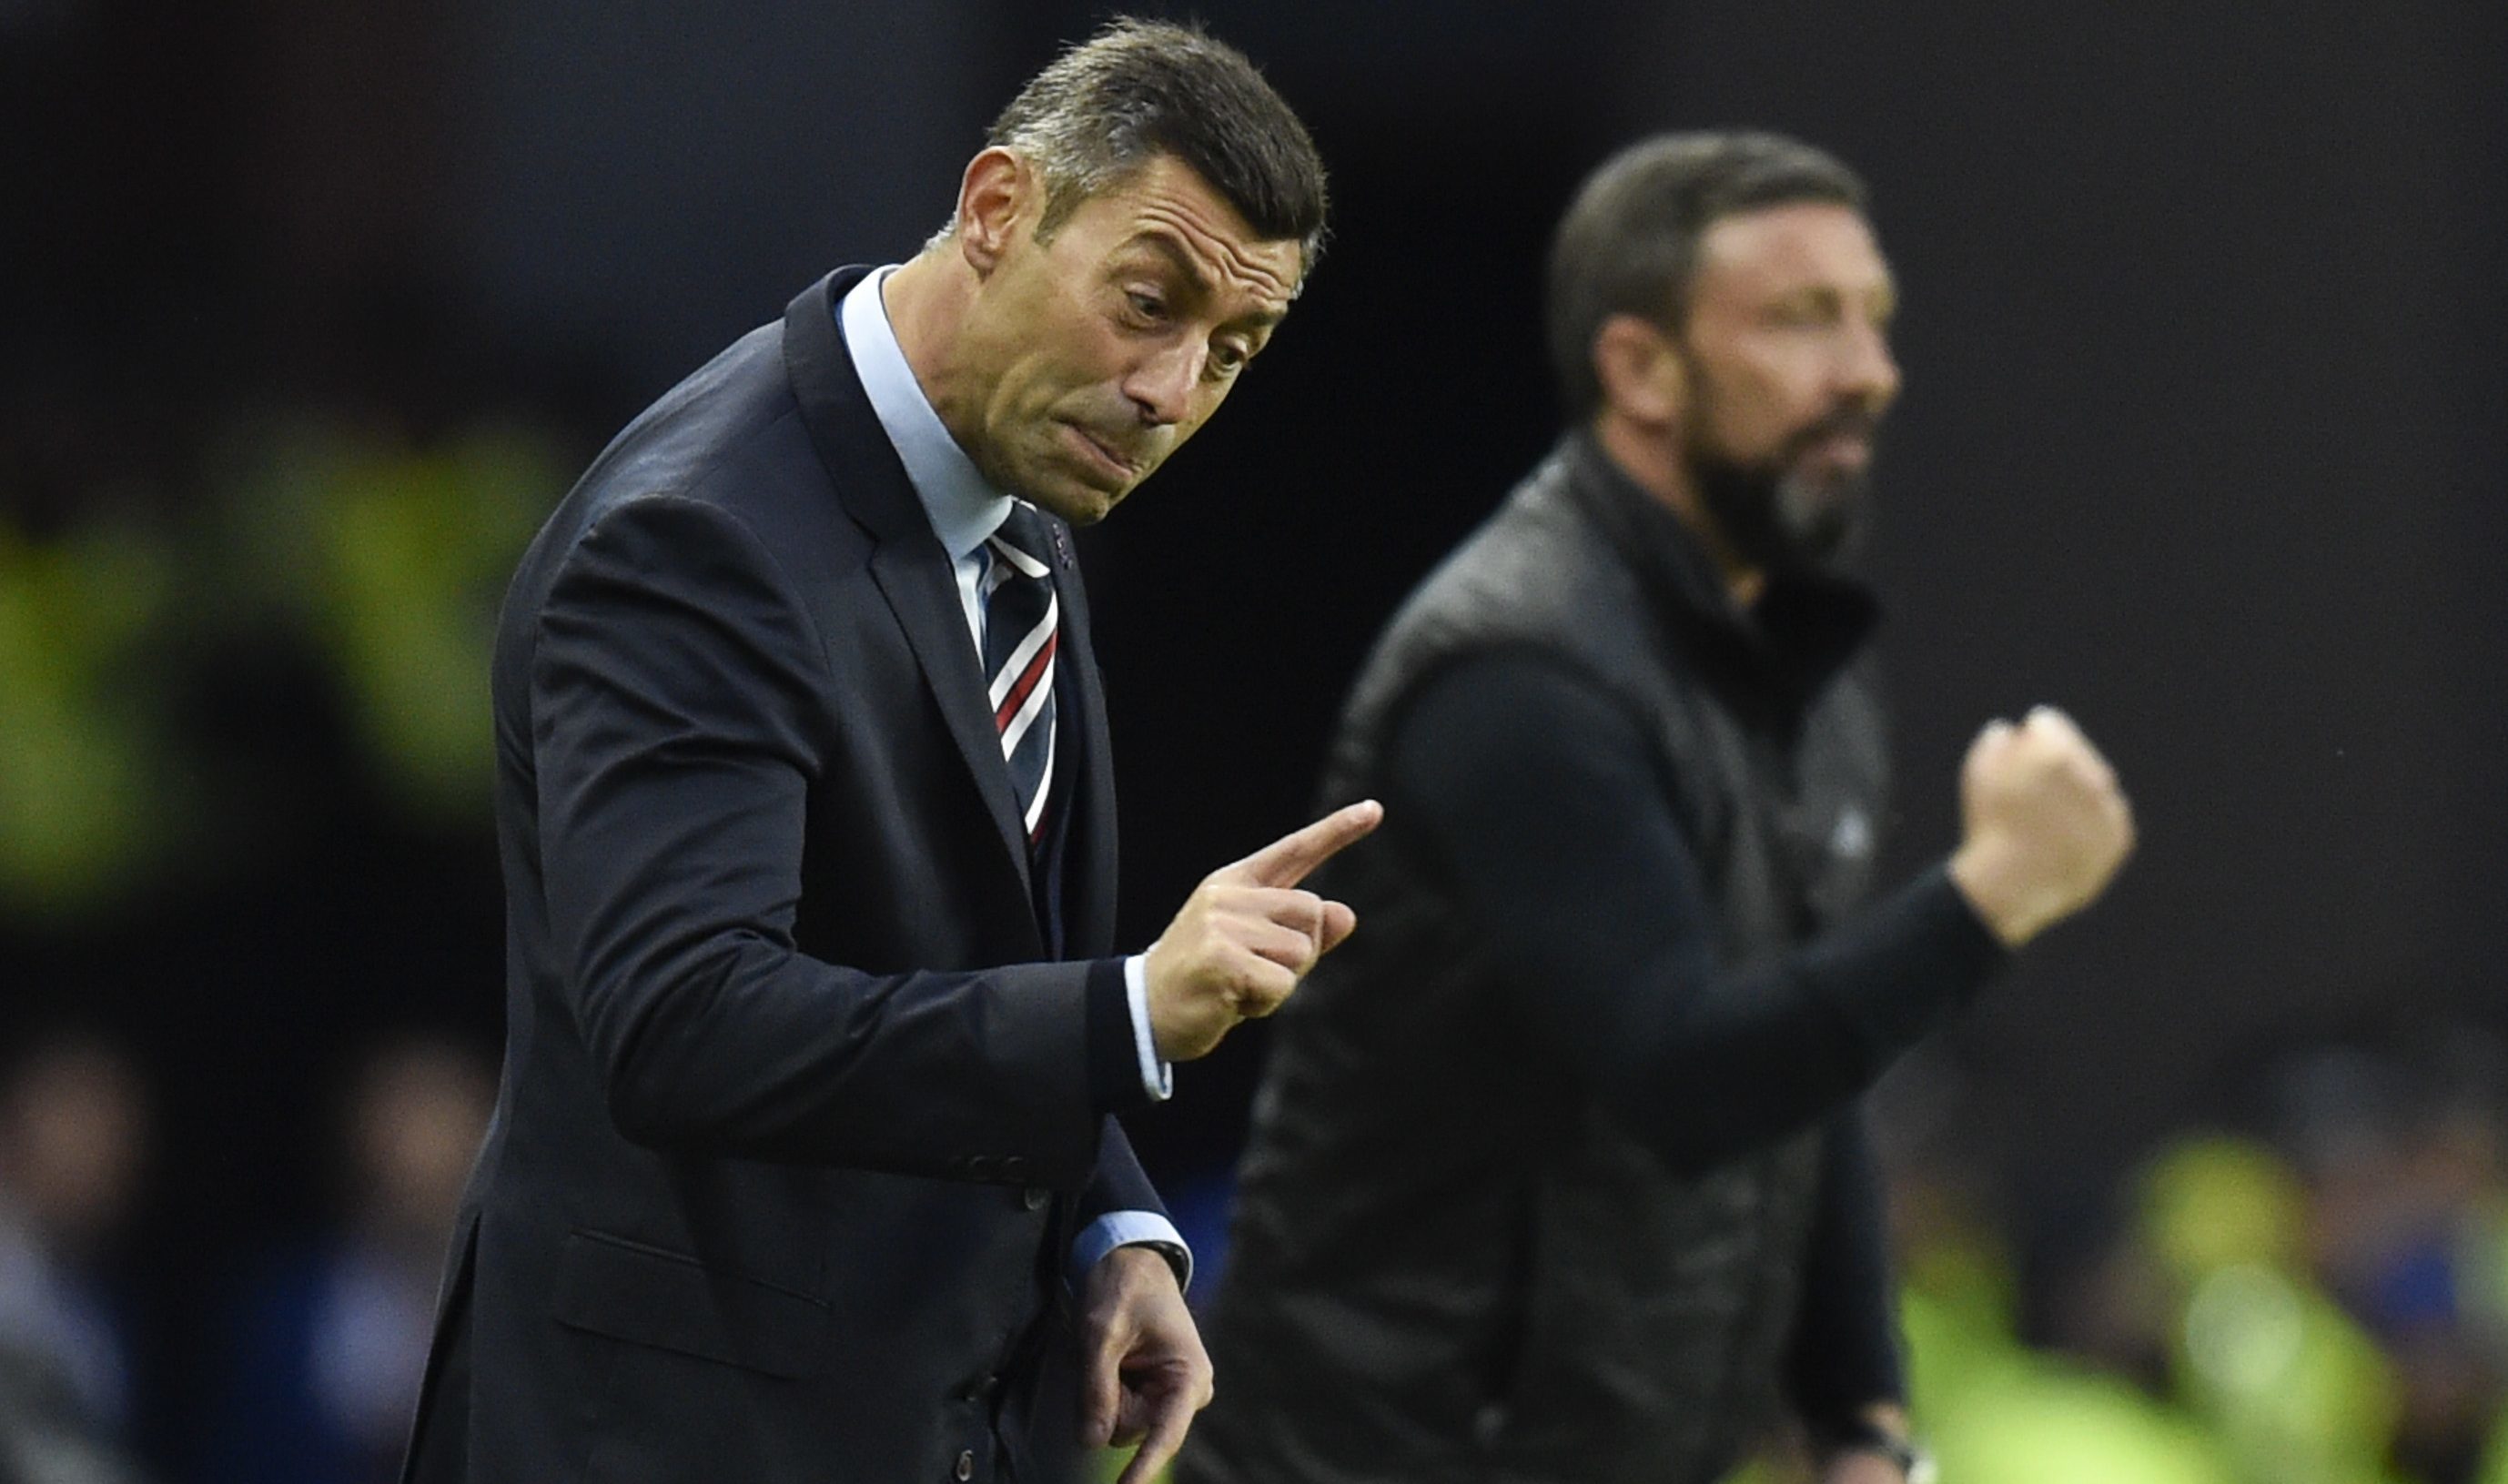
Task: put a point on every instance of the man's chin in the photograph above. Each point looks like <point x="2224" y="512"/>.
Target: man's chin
<point x="1072" y="502"/>
<point x="1822" y="526"/>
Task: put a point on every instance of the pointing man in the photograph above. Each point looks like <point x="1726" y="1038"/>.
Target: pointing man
<point x="814" y="1021"/>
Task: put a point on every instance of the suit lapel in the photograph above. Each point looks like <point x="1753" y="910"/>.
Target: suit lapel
<point x="1088" y="863"/>
<point x="910" y="563"/>
<point x="923" y="592"/>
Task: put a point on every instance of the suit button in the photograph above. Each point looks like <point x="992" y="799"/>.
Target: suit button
<point x="966" y="1468"/>
<point x="1033" y="1198"/>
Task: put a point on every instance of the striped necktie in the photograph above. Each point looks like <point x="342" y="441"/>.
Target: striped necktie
<point x="1021" y="633"/>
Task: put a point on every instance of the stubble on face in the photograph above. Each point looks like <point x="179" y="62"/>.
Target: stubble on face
<point x="1786" y="356"/>
<point x="1792" y="509"/>
<point x="1116" y="337"/>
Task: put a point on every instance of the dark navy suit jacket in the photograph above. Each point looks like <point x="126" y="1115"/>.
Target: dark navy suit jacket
<point x="799" y="1110"/>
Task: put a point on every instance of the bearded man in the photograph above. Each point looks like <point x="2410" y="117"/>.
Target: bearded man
<point x="1558" y="1174"/>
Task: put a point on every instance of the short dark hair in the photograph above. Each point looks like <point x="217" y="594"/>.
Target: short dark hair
<point x="1629" y="242"/>
<point x="1139" y="88"/>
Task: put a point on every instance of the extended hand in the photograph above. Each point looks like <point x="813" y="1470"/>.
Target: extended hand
<point x="1146" y="1371"/>
<point x="2046" y="826"/>
<point x="1247" y="935"/>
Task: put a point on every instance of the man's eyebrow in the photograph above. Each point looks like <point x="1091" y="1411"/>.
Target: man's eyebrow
<point x="1881" y="291"/>
<point x="1174" y="251"/>
<point x="1194" y="279"/>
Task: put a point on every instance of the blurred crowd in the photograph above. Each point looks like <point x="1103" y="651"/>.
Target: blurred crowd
<point x="2314" y="1291"/>
<point x="244" y="735"/>
<point x="179" y="642"/>
<point x="308" y="1371"/>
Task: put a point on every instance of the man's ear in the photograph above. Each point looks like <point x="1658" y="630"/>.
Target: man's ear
<point x="1642" y="376"/>
<point x="993" y="200"/>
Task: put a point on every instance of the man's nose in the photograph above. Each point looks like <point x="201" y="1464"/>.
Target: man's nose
<point x="1161" y="385"/>
<point x="1870" y="373"/>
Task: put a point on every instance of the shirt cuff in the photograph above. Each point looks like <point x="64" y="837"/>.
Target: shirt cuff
<point x="1129" y="1229"/>
<point x="1157" y="1078"/>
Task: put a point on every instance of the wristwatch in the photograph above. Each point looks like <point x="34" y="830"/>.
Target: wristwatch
<point x="1861" y="1436"/>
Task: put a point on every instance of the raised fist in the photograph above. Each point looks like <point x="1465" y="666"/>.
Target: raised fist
<point x="2046" y="825"/>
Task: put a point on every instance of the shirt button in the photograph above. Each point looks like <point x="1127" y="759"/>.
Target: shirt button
<point x="966" y="1468"/>
<point x="1032" y="1198"/>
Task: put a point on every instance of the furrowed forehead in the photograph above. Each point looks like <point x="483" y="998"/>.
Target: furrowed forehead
<point x="1171" y="213"/>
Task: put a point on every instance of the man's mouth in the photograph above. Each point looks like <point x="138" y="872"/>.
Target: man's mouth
<point x="1843" y="449"/>
<point x="1841" y="440"/>
<point x="1105" y="453"/>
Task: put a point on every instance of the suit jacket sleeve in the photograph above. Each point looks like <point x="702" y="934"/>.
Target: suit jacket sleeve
<point x="1119" y="1183"/>
<point x="678" y="695"/>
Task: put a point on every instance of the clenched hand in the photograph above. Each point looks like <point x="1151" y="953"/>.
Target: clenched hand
<point x="2047" y="826"/>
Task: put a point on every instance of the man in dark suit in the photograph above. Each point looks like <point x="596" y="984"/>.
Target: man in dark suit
<point x="815" y="1027"/>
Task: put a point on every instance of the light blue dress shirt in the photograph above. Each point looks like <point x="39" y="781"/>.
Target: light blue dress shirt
<point x="965" y="510"/>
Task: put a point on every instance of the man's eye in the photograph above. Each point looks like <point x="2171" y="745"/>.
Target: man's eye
<point x="1227" y="360"/>
<point x="1147" y="306"/>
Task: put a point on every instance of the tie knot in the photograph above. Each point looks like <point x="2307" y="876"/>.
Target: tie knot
<point x="1022" y="541"/>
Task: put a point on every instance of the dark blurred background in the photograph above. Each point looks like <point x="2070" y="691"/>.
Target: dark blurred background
<point x="309" y="310"/>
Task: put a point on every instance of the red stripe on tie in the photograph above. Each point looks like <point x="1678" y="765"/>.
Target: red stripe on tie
<point x="1027" y="679"/>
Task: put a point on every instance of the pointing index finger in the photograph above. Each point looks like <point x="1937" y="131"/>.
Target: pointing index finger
<point x="1288" y="860"/>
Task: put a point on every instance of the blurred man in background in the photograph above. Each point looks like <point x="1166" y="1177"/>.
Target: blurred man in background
<point x="1558" y="1174"/>
<point x="814" y="1023"/>
<point x="73" y="1137"/>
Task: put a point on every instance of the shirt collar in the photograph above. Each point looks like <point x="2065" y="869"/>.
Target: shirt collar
<point x="963" y="506"/>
